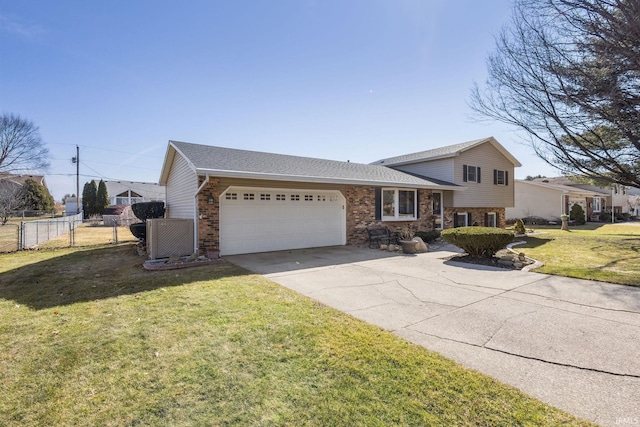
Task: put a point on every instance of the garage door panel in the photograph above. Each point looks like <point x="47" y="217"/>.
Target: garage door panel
<point x="278" y="219"/>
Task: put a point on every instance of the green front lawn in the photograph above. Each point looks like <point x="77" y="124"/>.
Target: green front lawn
<point x="90" y="338"/>
<point x="604" y="252"/>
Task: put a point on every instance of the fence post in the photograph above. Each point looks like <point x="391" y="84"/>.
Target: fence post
<point x="21" y="236"/>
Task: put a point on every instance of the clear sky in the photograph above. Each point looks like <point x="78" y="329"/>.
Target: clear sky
<point x="354" y="80"/>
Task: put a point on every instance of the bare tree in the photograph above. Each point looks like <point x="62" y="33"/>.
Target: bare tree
<point x="568" y="73"/>
<point x="11" y="199"/>
<point x="21" y="147"/>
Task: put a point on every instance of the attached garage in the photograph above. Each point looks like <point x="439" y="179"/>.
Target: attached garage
<point x="247" y="201"/>
<point x="272" y="219"/>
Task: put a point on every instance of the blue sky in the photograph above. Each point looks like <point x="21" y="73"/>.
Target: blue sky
<point x="344" y="80"/>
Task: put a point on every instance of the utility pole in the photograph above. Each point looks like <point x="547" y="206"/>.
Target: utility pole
<point x="76" y="160"/>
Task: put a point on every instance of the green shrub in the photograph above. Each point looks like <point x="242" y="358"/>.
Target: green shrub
<point x="519" y="227"/>
<point x="478" y="241"/>
<point x="428" y="236"/>
<point x="577" y="214"/>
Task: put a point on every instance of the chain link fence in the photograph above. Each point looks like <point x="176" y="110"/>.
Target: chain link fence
<point x="9" y="237"/>
<point x="62" y="232"/>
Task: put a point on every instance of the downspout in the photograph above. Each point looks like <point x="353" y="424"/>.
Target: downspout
<point x="196" y="216"/>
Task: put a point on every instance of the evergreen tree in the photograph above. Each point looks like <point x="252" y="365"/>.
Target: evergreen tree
<point x="35" y="196"/>
<point x="102" y="198"/>
<point x="577" y="214"/>
<point x="89" y="196"/>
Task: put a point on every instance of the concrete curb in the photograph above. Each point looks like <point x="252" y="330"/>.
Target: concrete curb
<point x="536" y="263"/>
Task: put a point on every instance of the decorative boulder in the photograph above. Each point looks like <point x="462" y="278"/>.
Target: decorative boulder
<point x="421" y="247"/>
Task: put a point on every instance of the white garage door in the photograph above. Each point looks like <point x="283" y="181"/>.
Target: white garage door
<point x="262" y="219"/>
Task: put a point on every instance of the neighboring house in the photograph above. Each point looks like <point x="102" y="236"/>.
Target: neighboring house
<point x="549" y="201"/>
<point x="550" y="197"/>
<point x="128" y="193"/>
<point x="247" y="201"/>
<point x="483" y="166"/>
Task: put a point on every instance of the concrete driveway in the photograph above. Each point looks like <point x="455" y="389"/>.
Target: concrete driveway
<point x="573" y="344"/>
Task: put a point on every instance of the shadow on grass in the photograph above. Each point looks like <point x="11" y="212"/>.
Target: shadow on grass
<point x="533" y="242"/>
<point x="94" y="274"/>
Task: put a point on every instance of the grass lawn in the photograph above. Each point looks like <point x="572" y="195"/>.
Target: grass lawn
<point x="605" y="252"/>
<point x="90" y="338"/>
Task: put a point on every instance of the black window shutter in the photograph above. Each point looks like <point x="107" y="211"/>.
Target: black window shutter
<point x="495" y="177"/>
<point x="486" y="219"/>
<point x="378" y="203"/>
<point x="455" y="221"/>
<point x="478" y="173"/>
<point x="506" y="177"/>
<point x="469" y="219"/>
<point x="417" y="203"/>
<point x="464" y="173"/>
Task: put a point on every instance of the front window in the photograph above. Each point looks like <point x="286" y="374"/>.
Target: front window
<point x="399" y="204"/>
<point x="597" y="204"/>
<point x="491" y="220"/>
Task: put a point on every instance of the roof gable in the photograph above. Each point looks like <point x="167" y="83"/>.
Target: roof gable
<point x="235" y="163"/>
<point x="446" y="152"/>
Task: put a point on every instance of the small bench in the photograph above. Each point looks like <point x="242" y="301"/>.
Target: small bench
<point x="378" y="235"/>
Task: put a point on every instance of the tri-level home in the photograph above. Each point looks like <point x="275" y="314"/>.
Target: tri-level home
<point x="247" y="201"/>
<point x="483" y="167"/>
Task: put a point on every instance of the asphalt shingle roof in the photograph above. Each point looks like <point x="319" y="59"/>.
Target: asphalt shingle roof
<point x="230" y="161"/>
<point x="436" y="153"/>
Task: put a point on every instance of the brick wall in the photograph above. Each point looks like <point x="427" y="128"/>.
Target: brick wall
<point x="360" y="214"/>
<point x="477" y="216"/>
<point x="360" y="207"/>
<point x="209" y="215"/>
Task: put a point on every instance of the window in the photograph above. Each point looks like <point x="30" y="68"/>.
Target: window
<point x="490" y="219"/>
<point x="399" y="204"/>
<point x="249" y="196"/>
<point x="597" y="204"/>
<point x="265" y="196"/>
<point x="500" y="177"/>
<point x="281" y="197"/>
<point x="294" y="197"/>
<point x="308" y="198"/>
<point x="322" y="198"/>
<point x="231" y="196"/>
<point x="461" y="219"/>
<point x="471" y="173"/>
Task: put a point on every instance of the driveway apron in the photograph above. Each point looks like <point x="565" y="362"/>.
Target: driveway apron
<point x="571" y="343"/>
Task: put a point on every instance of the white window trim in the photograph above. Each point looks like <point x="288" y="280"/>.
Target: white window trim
<point x="475" y="173"/>
<point x="597" y="202"/>
<point x="466" y="219"/>
<point x="396" y="203"/>
<point x="495" y="218"/>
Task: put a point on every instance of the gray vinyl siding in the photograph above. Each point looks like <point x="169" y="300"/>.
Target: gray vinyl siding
<point x="485" y="193"/>
<point x="182" y="184"/>
<point x="438" y="169"/>
<point x="534" y="200"/>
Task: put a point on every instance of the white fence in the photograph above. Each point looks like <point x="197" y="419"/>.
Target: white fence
<point x="32" y="233"/>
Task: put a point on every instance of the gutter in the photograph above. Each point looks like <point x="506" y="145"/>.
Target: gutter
<point x="196" y="217"/>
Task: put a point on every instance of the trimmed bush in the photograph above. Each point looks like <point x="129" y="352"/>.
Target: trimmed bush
<point x="577" y="214"/>
<point x="478" y="241"/>
<point x="519" y="227"/>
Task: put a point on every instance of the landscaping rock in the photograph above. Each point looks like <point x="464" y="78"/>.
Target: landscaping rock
<point x="421" y="247"/>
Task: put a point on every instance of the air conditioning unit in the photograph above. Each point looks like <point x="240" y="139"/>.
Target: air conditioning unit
<point x="169" y="237"/>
